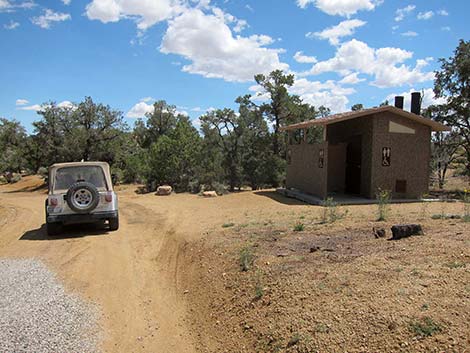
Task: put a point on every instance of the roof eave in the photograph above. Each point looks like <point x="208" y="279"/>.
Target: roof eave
<point x="435" y="126"/>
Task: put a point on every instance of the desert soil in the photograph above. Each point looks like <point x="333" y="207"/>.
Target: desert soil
<point x="170" y="281"/>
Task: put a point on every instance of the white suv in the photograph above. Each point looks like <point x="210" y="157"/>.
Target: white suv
<point x="80" y="192"/>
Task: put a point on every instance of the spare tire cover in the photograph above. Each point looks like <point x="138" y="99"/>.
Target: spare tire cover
<point x="82" y="197"/>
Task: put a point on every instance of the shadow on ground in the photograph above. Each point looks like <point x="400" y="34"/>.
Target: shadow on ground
<point x="72" y="231"/>
<point x="272" y="194"/>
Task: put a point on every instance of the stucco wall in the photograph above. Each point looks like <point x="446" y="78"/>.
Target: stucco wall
<point x="344" y="131"/>
<point x="304" y="173"/>
<point x="410" y="156"/>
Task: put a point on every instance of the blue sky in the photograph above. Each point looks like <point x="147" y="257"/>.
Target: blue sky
<point x="202" y="54"/>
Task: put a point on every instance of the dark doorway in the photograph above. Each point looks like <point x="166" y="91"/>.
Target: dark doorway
<point x="353" y="165"/>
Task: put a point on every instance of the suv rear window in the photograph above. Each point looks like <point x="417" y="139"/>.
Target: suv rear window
<point x="66" y="176"/>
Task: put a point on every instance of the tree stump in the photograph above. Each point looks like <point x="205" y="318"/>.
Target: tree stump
<point x="406" y="230"/>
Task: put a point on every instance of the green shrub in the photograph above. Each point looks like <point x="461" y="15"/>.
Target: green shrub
<point x="194" y="187"/>
<point x="455" y="264"/>
<point x="43" y="172"/>
<point x="219" y="188"/>
<point x="425" y="327"/>
<point x="228" y="225"/>
<point x="330" y="211"/>
<point x="16" y="178"/>
<point x="247" y="258"/>
<point x="383" y="205"/>
<point x="299" y="227"/>
<point x="259" y="290"/>
<point x="295" y="339"/>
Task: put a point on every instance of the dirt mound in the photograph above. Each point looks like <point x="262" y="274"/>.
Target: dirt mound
<point x="27" y="183"/>
<point x="332" y="290"/>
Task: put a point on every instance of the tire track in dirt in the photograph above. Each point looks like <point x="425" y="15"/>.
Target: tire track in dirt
<point x="130" y="273"/>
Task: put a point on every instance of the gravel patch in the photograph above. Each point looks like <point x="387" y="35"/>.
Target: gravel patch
<point x="38" y="315"/>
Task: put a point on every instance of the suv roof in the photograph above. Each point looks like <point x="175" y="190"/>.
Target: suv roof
<point x="78" y="164"/>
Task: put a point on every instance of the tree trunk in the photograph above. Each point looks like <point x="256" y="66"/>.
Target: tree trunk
<point x="276" y="137"/>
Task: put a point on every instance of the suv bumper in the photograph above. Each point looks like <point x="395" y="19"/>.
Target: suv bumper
<point x="81" y="218"/>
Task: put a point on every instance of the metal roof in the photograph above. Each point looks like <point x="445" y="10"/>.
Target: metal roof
<point x="336" y="118"/>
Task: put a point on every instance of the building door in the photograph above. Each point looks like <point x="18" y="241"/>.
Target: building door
<point x="353" y="165"/>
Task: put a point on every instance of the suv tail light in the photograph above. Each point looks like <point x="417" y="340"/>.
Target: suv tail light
<point x="108" y="197"/>
<point x="53" y="201"/>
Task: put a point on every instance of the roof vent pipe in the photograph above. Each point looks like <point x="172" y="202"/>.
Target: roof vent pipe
<point x="399" y="101"/>
<point x="416" y="103"/>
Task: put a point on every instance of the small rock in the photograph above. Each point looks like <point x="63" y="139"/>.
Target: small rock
<point x="209" y="194"/>
<point x="164" y="190"/>
<point x="314" y="249"/>
<point x="379" y="232"/>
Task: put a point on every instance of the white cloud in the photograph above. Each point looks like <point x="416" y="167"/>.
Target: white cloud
<point x="26" y="5"/>
<point x="240" y="25"/>
<point x="403" y="12"/>
<point x="142" y="108"/>
<point x="139" y="110"/>
<point x="341" y="7"/>
<point x="66" y="104"/>
<point x="208" y="43"/>
<point x="343" y="29"/>
<point x="147" y="99"/>
<point x="49" y="16"/>
<point x="304" y="59"/>
<point x="146" y="13"/>
<point x="443" y="13"/>
<point x="4" y="4"/>
<point x="181" y="112"/>
<point x="329" y="93"/>
<point x="11" y="25"/>
<point x="21" y="102"/>
<point x="409" y="34"/>
<point x="385" y="65"/>
<point x="66" y="2"/>
<point x="351" y="79"/>
<point x="445" y="28"/>
<point x="8" y="6"/>
<point x="22" y="105"/>
<point x="425" y="15"/>
<point x="427" y="96"/>
<point x="35" y="107"/>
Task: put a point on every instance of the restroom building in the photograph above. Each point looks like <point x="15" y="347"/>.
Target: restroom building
<point x="361" y="151"/>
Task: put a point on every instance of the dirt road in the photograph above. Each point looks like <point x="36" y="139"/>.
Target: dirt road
<point x="133" y="274"/>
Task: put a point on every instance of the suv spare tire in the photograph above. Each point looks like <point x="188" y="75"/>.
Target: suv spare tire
<point x="82" y="197"/>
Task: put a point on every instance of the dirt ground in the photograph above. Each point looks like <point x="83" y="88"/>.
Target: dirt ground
<point x="170" y="280"/>
<point x="335" y="287"/>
